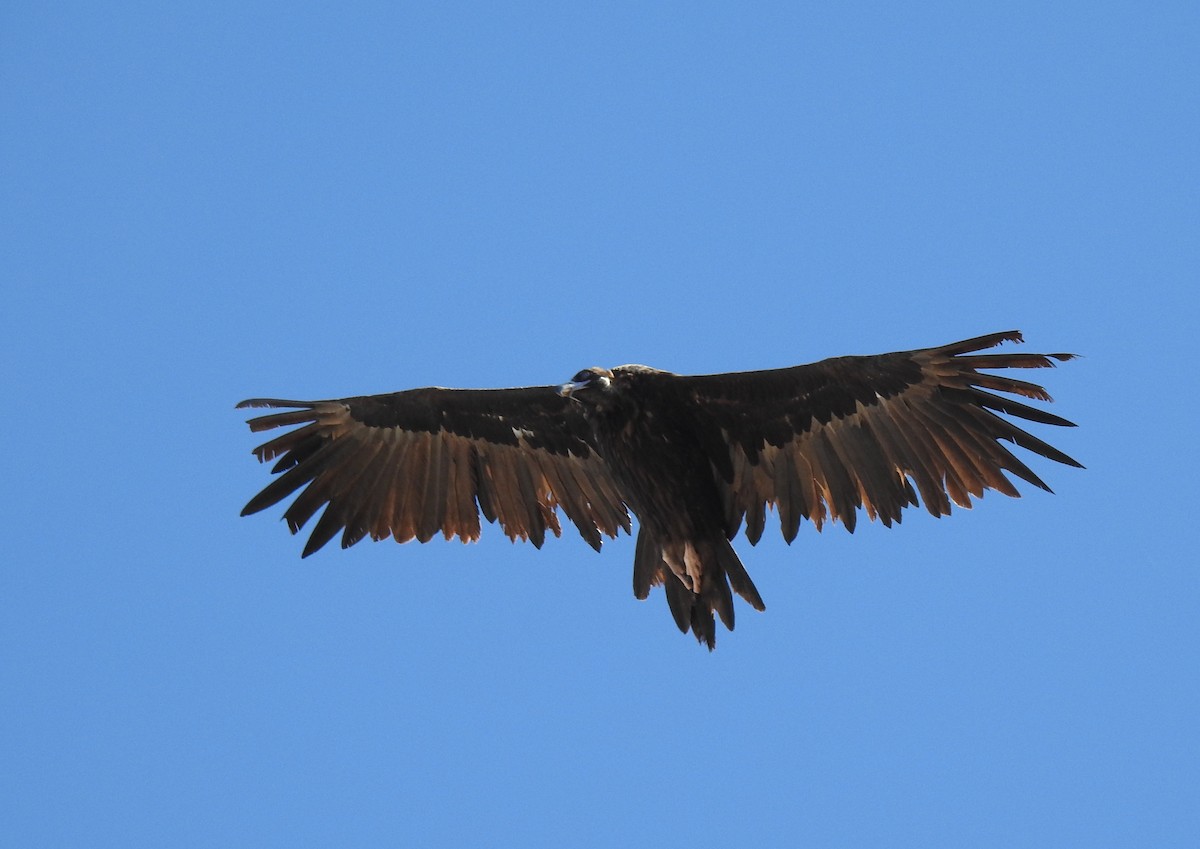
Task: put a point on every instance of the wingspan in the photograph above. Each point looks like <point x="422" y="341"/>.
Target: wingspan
<point x="412" y="464"/>
<point x="824" y="440"/>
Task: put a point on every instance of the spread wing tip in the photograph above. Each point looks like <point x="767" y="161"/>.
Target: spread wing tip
<point x="992" y="340"/>
<point x="270" y="402"/>
<point x="979" y="343"/>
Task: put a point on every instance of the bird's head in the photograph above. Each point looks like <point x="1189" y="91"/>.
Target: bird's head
<point x="590" y="386"/>
<point x="609" y="391"/>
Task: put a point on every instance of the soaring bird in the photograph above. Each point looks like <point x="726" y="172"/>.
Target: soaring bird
<point x="694" y="458"/>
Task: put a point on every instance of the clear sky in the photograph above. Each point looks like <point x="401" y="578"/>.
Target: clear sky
<point x="202" y="202"/>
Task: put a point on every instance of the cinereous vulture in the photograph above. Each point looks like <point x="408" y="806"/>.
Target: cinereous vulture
<point x="694" y="458"/>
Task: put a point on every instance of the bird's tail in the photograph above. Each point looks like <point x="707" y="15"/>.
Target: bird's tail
<point x="697" y="576"/>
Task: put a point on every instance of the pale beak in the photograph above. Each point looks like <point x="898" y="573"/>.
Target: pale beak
<point x="569" y="389"/>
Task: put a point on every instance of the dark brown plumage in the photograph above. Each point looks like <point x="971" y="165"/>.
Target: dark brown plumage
<point x="693" y="457"/>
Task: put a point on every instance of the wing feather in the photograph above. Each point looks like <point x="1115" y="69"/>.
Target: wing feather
<point x="414" y="487"/>
<point x="411" y="464"/>
<point x="433" y="501"/>
<point x="511" y="508"/>
<point x="876" y="480"/>
<point x="789" y="495"/>
<point x="956" y="466"/>
<point x="914" y="457"/>
<point x="878" y="433"/>
<point x="465" y="515"/>
<point x="363" y="519"/>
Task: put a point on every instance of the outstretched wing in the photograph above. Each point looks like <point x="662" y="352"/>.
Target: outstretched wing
<point x="411" y="464"/>
<point x="822" y="440"/>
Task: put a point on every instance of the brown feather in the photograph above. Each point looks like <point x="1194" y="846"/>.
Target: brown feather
<point x="360" y="521"/>
<point x="414" y="486"/>
<point x="790" y="495"/>
<point x="919" y="455"/>
<point x="433" y="499"/>
<point x="400" y="491"/>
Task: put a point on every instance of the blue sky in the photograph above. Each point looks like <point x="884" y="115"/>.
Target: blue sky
<point x="206" y="202"/>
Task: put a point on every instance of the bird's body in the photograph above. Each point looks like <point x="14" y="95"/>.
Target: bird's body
<point x="693" y="457"/>
<point x="648" y="432"/>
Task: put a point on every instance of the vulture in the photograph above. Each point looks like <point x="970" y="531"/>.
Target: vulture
<point x="693" y="458"/>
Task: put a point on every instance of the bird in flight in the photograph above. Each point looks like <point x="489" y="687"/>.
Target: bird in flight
<point x="695" y="458"/>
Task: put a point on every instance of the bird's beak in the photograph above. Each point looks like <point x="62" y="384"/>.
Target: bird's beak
<point x="569" y="389"/>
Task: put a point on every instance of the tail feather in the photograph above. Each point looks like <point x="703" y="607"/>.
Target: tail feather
<point x="739" y="579"/>
<point x="647" y="565"/>
<point x="682" y="602"/>
<point x="713" y="564"/>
